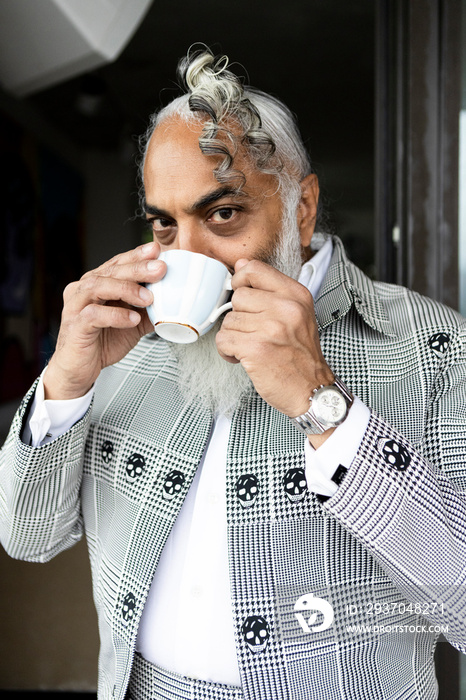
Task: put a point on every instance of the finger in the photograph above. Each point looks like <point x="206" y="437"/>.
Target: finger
<point x="224" y="347"/>
<point x="239" y="321"/>
<point x="233" y="342"/>
<point x="252" y="300"/>
<point x="142" y="272"/>
<point x="294" y="309"/>
<point x="99" y="290"/>
<point x="260" y="275"/>
<point x="240" y="263"/>
<point x="228" y="358"/>
<point x="140" y="265"/>
<point x="98" y="317"/>
<point x="265" y="327"/>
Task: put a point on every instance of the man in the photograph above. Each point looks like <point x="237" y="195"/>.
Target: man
<point x="276" y="510"/>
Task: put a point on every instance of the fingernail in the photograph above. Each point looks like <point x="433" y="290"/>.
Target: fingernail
<point x="147" y="248"/>
<point x="145" y="294"/>
<point x="153" y="265"/>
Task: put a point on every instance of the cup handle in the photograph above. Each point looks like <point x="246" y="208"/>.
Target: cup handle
<point x="218" y="312"/>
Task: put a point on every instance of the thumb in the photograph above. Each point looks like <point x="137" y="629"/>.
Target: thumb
<point x="240" y="263"/>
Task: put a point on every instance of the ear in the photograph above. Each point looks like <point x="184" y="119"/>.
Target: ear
<point x="307" y="208"/>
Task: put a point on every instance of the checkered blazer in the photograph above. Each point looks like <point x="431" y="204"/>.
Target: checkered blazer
<point x="393" y="536"/>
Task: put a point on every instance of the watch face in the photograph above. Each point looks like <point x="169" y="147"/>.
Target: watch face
<point x="329" y="406"/>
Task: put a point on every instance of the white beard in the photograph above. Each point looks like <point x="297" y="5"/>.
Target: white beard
<point x="204" y="376"/>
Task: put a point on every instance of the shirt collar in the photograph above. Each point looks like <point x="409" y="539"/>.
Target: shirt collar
<point x="314" y="270"/>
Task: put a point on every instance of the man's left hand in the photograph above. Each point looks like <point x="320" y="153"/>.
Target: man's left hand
<point x="272" y="331"/>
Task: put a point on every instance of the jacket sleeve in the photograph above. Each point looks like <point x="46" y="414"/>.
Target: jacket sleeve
<point x="407" y="506"/>
<point x="40" y="491"/>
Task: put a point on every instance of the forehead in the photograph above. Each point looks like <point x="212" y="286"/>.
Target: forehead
<point x="174" y="157"/>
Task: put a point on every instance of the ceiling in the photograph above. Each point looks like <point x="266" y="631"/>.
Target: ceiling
<point x="315" y="55"/>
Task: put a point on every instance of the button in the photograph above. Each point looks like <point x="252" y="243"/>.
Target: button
<point x="196" y="591"/>
<point x="339" y="474"/>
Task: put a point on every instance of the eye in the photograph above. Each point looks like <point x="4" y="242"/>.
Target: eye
<point x="223" y="214"/>
<point x="159" y="224"/>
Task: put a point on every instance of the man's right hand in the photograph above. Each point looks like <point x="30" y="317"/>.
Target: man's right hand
<point x="103" y="318"/>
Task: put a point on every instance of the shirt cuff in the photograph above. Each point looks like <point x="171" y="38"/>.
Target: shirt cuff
<point x="51" y="418"/>
<point x="326" y="466"/>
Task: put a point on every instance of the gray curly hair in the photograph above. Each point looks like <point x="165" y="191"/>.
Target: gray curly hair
<point x="235" y="116"/>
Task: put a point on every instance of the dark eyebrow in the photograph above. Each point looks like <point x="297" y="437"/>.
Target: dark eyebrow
<point x="155" y="211"/>
<point x="212" y="197"/>
<point x="205" y="201"/>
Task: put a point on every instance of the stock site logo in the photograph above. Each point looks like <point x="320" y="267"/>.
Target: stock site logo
<point x="316" y="608"/>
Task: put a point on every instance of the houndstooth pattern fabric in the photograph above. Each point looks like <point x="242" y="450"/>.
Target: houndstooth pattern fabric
<point x="150" y="682"/>
<point x="393" y="534"/>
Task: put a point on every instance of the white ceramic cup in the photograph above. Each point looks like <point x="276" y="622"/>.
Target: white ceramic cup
<point x="190" y="297"/>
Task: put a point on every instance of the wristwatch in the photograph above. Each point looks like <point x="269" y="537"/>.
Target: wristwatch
<point x="328" y="407"/>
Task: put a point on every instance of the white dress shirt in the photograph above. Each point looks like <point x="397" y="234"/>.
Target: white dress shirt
<point x="187" y="622"/>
